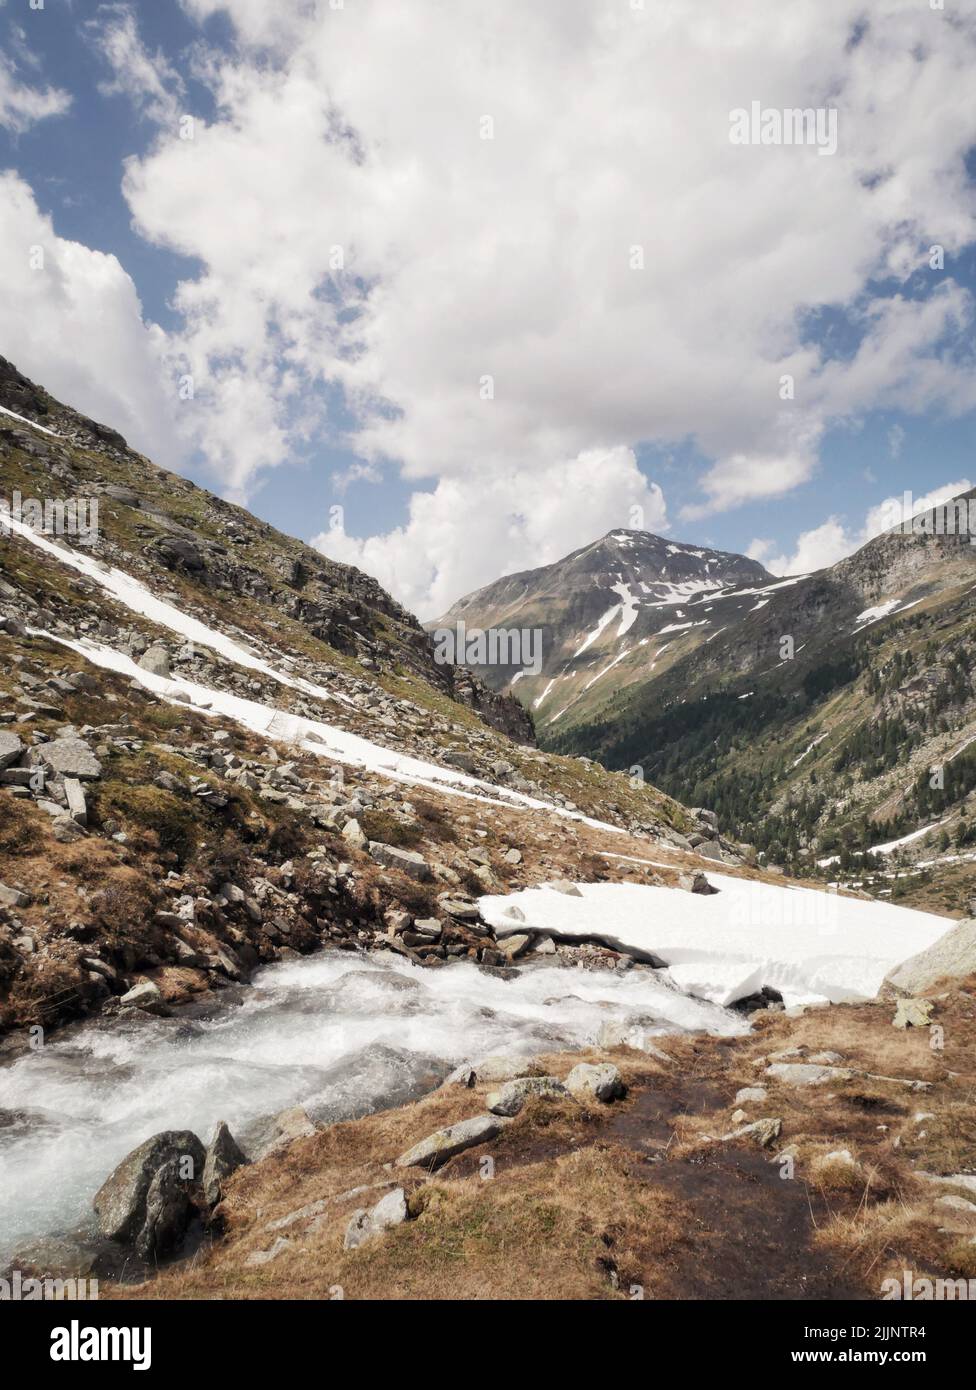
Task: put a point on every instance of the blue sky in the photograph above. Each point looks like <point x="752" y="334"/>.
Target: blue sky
<point x="468" y="258"/>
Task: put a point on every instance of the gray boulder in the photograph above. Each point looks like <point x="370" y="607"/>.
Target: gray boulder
<point x="389" y="1211"/>
<point x="952" y="957"/>
<point x="443" y="1144"/>
<point x="600" y="1082"/>
<point x="156" y="660"/>
<point x="147" y="1201"/>
<point x="511" y="1098"/>
<point x="11" y="749"/>
<point x="71" y="757"/>
<point x="408" y="861"/>
<point x="223" y="1158"/>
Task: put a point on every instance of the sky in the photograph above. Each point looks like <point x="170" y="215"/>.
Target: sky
<point x="452" y="288"/>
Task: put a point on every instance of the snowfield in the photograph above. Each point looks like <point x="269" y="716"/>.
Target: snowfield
<point x="810" y="945"/>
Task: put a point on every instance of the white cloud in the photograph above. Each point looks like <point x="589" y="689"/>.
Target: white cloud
<point x="468" y="531"/>
<point x="74" y="324"/>
<point x="23" y="105"/>
<point x="831" y="541"/>
<point x="511" y="258"/>
<point x="147" y="79"/>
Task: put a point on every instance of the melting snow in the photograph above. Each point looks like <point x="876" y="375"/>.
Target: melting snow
<point x="808" y="944"/>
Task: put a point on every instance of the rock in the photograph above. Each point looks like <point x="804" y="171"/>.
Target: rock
<point x="352" y="833"/>
<point x="11" y="750"/>
<point x="843" y="1156"/>
<point x="696" y="883"/>
<point x="71" y="757"/>
<point x="263" y="1257"/>
<point x="600" y="1082"/>
<point x="957" y="1204"/>
<point x="824" y="1059"/>
<point x="389" y="1211"/>
<point x="749" y="1094"/>
<point x="763" y="1131"/>
<point x="146" y="1201"/>
<point x="711" y="849"/>
<point x="562" y="885"/>
<point x="503" y="1066"/>
<point x="511" y="1098"/>
<point x="514" y="945"/>
<point x="144" y="995"/>
<point x="806" y="1073"/>
<point x="952" y="957"/>
<point x="13" y="897"/>
<point x="77" y="805"/>
<point x="512" y="856"/>
<point x="443" y="1144"/>
<point x="79" y="1257"/>
<point x="408" y="861"/>
<point x="156" y="660"/>
<point x="279" y="1130"/>
<point x="913" y="1013"/>
<point x="463" y="761"/>
<point x="223" y="1157"/>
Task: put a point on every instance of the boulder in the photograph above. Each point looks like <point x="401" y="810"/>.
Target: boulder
<point x="600" y="1082"/>
<point x="913" y="1013"/>
<point x="510" y="1098"/>
<point x="443" y="1144"/>
<point x="75" y="797"/>
<point x="806" y="1073"/>
<point x="352" y="833"/>
<point x="280" y="1130"/>
<point x="11" y="749"/>
<point x="952" y="957"/>
<point x="696" y="883"/>
<point x="389" y="1211"/>
<point x="763" y="1131"/>
<point x="223" y="1157"/>
<point x="156" y="661"/>
<point x="13" y="897"/>
<point x="144" y="995"/>
<point x="748" y="1094"/>
<point x="408" y="861"/>
<point x="561" y="885"/>
<point x="71" y="757"/>
<point x="146" y="1202"/>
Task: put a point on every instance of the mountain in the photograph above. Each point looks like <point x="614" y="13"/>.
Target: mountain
<point x="823" y="716"/>
<point x="221" y="751"/>
<point x="218" y="746"/>
<point x="628" y="604"/>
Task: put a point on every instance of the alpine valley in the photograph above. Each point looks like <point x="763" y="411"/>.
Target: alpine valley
<point x="827" y="718"/>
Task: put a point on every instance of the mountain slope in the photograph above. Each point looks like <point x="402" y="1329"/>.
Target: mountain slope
<point x="832" y="720"/>
<point x="619" y="605"/>
<point x="218" y="747"/>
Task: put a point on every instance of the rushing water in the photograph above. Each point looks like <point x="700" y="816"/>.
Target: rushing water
<point x="339" y="1034"/>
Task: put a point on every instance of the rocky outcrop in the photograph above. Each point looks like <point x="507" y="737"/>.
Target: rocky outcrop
<point x="952" y="957"/>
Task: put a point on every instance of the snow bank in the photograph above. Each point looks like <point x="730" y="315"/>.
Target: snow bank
<point x="808" y="944"/>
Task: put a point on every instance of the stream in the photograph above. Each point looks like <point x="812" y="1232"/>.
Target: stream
<point x="339" y="1034"/>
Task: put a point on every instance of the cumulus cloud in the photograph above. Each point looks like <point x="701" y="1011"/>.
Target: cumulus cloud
<point x="469" y="530"/>
<point x="71" y="319"/>
<point x="602" y="270"/>
<point x="831" y="541"/>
